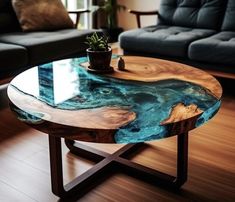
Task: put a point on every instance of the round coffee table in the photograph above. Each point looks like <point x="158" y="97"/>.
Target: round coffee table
<point x="150" y="100"/>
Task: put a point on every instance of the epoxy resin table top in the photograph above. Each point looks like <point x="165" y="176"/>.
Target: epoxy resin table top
<point x="150" y="100"/>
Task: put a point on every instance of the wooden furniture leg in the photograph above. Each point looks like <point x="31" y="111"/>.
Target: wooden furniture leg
<point x="105" y="162"/>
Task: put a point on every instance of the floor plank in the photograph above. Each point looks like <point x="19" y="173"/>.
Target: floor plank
<point x="11" y="195"/>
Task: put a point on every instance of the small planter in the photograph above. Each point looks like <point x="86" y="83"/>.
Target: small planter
<point x="99" y="60"/>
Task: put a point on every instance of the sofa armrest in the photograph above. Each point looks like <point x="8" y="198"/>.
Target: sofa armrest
<point x="140" y="13"/>
<point x="78" y="12"/>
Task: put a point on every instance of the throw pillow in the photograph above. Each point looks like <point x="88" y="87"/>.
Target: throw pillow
<point x="36" y="15"/>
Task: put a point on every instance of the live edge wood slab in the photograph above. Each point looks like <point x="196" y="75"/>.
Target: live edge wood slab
<point x="150" y="100"/>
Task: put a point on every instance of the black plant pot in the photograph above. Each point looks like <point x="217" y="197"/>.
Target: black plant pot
<point x="112" y="33"/>
<point x="99" y="60"/>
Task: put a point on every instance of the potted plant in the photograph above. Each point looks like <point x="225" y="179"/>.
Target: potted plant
<point x="111" y="7"/>
<point x="99" y="53"/>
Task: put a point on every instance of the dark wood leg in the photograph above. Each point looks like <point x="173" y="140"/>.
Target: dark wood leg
<point x="105" y="161"/>
<point x="56" y="166"/>
<point x="157" y="177"/>
<point x="182" y="159"/>
<point x="95" y="154"/>
<point x="85" y="151"/>
<point x="81" y="184"/>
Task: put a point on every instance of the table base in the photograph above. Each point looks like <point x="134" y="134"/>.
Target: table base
<point x="107" y="162"/>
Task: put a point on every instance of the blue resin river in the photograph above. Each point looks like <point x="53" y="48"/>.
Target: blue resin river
<point x="151" y="101"/>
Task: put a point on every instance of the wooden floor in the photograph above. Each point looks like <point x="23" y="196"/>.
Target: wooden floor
<point x="25" y="176"/>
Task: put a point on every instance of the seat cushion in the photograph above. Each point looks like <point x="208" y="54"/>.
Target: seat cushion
<point x="229" y="22"/>
<point x="162" y="40"/>
<point x="219" y="48"/>
<point x="192" y="13"/>
<point x="12" y="57"/>
<point x="47" y="46"/>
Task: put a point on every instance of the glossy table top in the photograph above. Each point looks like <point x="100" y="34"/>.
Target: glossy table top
<point x="150" y="100"/>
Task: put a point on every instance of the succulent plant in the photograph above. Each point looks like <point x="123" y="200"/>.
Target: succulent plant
<point x="97" y="43"/>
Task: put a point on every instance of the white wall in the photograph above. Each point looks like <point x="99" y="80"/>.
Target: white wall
<point x="128" y="21"/>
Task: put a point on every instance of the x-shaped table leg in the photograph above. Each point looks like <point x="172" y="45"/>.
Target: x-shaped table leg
<point x="105" y="162"/>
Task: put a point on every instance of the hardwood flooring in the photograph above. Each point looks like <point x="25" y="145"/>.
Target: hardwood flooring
<point x="25" y="173"/>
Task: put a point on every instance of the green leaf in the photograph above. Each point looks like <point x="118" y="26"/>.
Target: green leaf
<point x="96" y="42"/>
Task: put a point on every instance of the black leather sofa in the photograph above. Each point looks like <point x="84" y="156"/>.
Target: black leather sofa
<point x="196" y="32"/>
<point x="20" y="50"/>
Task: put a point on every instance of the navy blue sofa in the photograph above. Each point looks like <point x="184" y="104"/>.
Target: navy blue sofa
<point x="196" y="32"/>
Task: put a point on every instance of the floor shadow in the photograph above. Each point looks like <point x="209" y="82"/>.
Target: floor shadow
<point x="228" y="86"/>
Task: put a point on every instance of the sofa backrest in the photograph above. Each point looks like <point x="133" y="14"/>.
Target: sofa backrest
<point x="8" y="20"/>
<point x="229" y="17"/>
<point x="206" y="14"/>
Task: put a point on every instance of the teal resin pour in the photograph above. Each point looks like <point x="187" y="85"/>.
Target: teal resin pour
<point x="151" y="101"/>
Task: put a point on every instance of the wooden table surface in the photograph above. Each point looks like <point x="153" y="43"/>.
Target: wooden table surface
<point x="44" y="97"/>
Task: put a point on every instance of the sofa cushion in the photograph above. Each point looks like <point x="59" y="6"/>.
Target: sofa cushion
<point x="192" y="13"/>
<point x="12" y="57"/>
<point x="229" y="22"/>
<point x="42" y="15"/>
<point x="219" y="48"/>
<point x="8" y="20"/>
<point x="162" y="40"/>
<point x="46" y="46"/>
